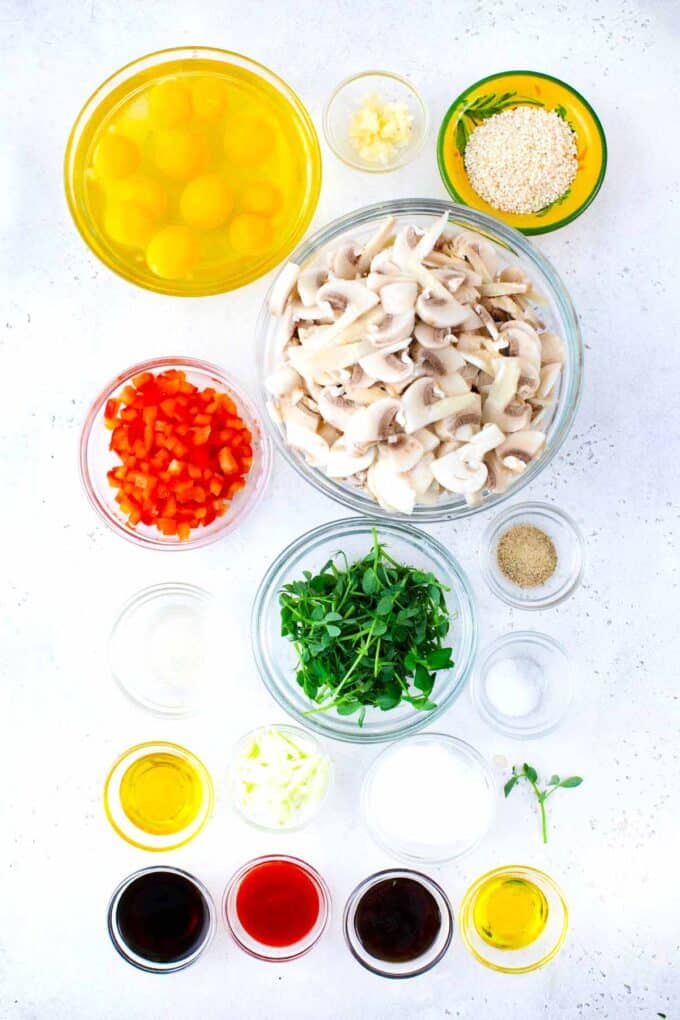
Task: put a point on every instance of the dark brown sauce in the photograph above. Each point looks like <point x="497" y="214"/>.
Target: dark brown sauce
<point x="162" y="917"/>
<point x="397" y="920"/>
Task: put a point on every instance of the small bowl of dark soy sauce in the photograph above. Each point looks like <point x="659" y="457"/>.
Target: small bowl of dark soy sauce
<point x="161" y="919"/>
<point x="398" y="923"/>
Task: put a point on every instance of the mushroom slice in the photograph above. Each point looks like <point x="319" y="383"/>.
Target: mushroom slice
<point x="420" y="476"/>
<point x="321" y="313"/>
<point x="498" y="476"/>
<point x="479" y="252"/>
<point x="411" y="246"/>
<point x="399" y="297"/>
<point x="488" y="322"/>
<point x="312" y="445"/>
<point x="515" y="274"/>
<point x="283" y="288"/>
<point x="440" y="311"/>
<point x="376" y="244"/>
<point x="463" y="421"/>
<point x="552" y="349"/>
<point x="464" y="470"/>
<point x="351" y="299"/>
<point x="392" y="489"/>
<point x="402" y="452"/>
<point x="389" y="368"/>
<point x="453" y="279"/>
<point x="529" y="379"/>
<point x="383" y="263"/>
<point x="373" y="423"/>
<point x="344" y="461"/>
<point x="523" y="341"/>
<point x="423" y="404"/>
<point x="310" y="282"/>
<point x="499" y="289"/>
<point x="345" y="261"/>
<point x="518" y="449"/>
<point x="432" y="338"/>
<point x="549" y="375"/>
<point x="389" y="329"/>
<point x="283" y="381"/>
<point x="501" y="405"/>
<point x="443" y="365"/>
<point x="335" y="407"/>
<point x="427" y="439"/>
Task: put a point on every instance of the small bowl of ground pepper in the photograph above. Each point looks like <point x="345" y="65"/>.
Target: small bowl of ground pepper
<point x="532" y="556"/>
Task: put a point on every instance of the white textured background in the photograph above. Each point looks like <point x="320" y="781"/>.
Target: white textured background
<point x="68" y="324"/>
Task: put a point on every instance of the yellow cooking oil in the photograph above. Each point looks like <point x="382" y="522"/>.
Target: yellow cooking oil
<point x="161" y="793"/>
<point x="193" y="171"/>
<point x="510" y="912"/>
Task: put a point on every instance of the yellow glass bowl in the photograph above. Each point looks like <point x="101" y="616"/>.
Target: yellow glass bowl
<point x="115" y="91"/>
<point x="539" y="952"/>
<point x="125" y="826"/>
<point x="524" y="88"/>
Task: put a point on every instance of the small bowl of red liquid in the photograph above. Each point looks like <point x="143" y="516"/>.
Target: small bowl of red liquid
<point x="276" y="907"/>
<point x="172" y="455"/>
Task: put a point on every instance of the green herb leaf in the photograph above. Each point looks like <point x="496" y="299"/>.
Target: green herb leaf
<point x="369" y="582"/>
<point x="510" y="785"/>
<point x="571" y="782"/>
<point x="554" y="781"/>
<point x="530" y="772"/>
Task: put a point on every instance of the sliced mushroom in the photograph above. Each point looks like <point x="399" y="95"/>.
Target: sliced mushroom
<point x="427" y="439"/>
<point x="350" y="299"/>
<point x="463" y="421"/>
<point x="442" y="365"/>
<point x="376" y="244"/>
<point x="345" y="261"/>
<point x="552" y="349"/>
<point x="440" y="311"/>
<point x="319" y="313"/>
<point x="521" y="448"/>
<point x="498" y="476"/>
<point x="423" y="404"/>
<point x="283" y="287"/>
<point x="479" y="252"/>
<point x="402" y="452"/>
<point x="500" y="289"/>
<point x="283" y="381"/>
<point x="529" y="379"/>
<point x="501" y="405"/>
<point x="391" y="489"/>
<point x="383" y="263"/>
<point x="329" y="433"/>
<point x="420" y="476"/>
<point x="373" y="423"/>
<point x="464" y="470"/>
<point x="310" y="282"/>
<point x="523" y="342"/>
<point x="549" y="375"/>
<point x="389" y="368"/>
<point x="399" y="297"/>
<point x="488" y="322"/>
<point x="335" y="407"/>
<point x="432" y="338"/>
<point x="389" y="329"/>
<point x="453" y="279"/>
<point x="344" y="460"/>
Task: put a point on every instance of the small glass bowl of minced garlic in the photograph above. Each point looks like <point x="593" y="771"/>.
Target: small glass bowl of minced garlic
<point x="375" y="121"/>
<point x="532" y="555"/>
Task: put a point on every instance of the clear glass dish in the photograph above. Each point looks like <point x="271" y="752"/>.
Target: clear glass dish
<point x="569" y="546"/>
<point x="125" y="82"/>
<point x="430" y="958"/>
<point x="536" y="954"/>
<point x="126" y="827"/>
<point x="142" y="962"/>
<point x="558" y="313"/>
<point x="307" y="742"/>
<point x="141" y="669"/>
<point x="347" y="98"/>
<point x="541" y="655"/>
<point x="96" y="458"/>
<point x="275" y="656"/>
<point x="412" y="849"/>
<point x="250" y="945"/>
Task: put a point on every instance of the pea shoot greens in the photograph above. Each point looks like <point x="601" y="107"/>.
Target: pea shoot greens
<point x="530" y="774"/>
<point x="367" y="633"/>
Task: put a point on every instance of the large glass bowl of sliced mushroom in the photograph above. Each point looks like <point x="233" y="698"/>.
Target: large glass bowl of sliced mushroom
<point x="421" y="358"/>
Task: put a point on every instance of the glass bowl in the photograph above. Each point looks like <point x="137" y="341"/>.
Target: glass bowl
<point x="185" y="60"/>
<point x="261" y="951"/>
<point x="569" y="546"/>
<point x="548" y="664"/>
<point x="539" y="952"/>
<point x="410" y="968"/>
<point x="126" y="827"/>
<point x="347" y="99"/>
<point x="96" y="458"/>
<point x="521" y="88"/>
<point x="375" y="795"/>
<point x="275" y="656"/>
<point x="558" y="313"/>
<point x="146" y="670"/>
<point x="300" y="740"/>
<point x="143" y="962"/>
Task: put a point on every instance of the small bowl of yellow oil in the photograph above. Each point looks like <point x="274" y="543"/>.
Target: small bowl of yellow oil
<point x="192" y="171"/>
<point x="158" y="796"/>
<point x="514" y="919"/>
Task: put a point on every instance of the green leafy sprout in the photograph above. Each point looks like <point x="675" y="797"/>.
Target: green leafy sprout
<point x="529" y="773"/>
<point x="367" y="634"/>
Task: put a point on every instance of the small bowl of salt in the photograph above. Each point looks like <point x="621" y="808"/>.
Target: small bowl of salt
<point x="524" y="684"/>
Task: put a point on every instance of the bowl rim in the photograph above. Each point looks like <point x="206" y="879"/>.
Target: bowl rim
<point x="462" y="749"/>
<point x="372" y="880"/>
<point x="232" y="388"/>
<point x="505" y="236"/>
<point x="507" y="639"/>
<point x="193" y="52"/>
<point x="466" y="905"/>
<point x="408" y="153"/>
<point x="448" y="184"/>
<point x="487" y="562"/>
<point x="338" y="528"/>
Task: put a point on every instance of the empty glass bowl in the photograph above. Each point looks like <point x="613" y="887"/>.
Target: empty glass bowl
<point x="275" y="655"/>
<point x="569" y="546"/>
<point x="348" y="98"/>
<point x="533" y="693"/>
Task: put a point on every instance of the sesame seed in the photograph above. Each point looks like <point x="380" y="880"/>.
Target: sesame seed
<point x="521" y="160"/>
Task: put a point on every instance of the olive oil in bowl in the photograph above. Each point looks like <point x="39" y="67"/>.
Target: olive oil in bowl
<point x="510" y="913"/>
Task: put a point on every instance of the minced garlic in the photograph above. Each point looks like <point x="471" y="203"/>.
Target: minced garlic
<point x="378" y="129"/>
<point x="521" y="160"/>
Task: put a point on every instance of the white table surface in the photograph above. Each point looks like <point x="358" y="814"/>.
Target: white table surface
<point x="68" y="325"/>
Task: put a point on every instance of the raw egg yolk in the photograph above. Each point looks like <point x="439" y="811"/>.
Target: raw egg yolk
<point x="261" y="197"/>
<point x="250" y="234"/>
<point x="128" y="224"/>
<point x="145" y="192"/>
<point x="115" y="156"/>
<point x="169" y="103"/>
<point x="206" y="202"/>
<point x="173" y="252"/>
<point x="209" y="97"/>
<point x="248" y="139"/>
<point x="180" y="154"/>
